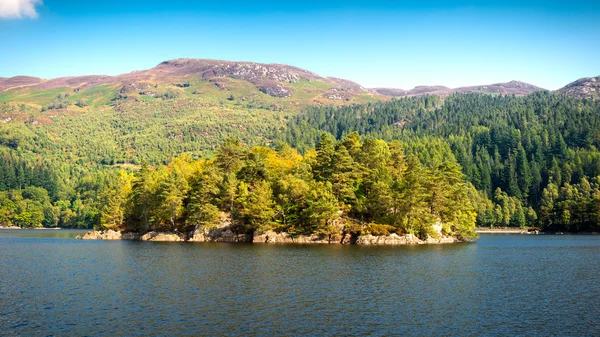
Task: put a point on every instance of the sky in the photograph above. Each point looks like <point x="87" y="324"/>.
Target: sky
<point x="396" y="44"/>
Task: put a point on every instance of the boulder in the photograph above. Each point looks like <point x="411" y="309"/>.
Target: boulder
<point x="218" y="235"/>
<point x="391" y="240"/>
<point x="223" y="232"/>
<point x="198" y="236"/>
<point x="283" y="237"/>
<point x="164" y="237"/>
<point x="443" y="239"/>
<point x="105" y="235"/>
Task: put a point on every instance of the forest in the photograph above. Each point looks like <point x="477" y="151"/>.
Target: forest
<point x="358" y="185"/>
<point x="353" y="185"/>
<point x="521" y="161"/>
<point x="533" y="159"/>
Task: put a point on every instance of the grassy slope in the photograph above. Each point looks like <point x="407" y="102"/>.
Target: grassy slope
<point x="142" y="127"/>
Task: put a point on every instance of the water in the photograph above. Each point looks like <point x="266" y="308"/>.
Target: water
<point x="51" y="284"/>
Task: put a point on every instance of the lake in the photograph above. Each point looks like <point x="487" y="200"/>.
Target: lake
<point x="52" y="284"/>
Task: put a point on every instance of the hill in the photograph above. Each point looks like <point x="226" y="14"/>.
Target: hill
<point x="199" y="75"/>
<point x="509" y="88"/>
<point x="587" y="87"/>
<point x="179" y="106"/>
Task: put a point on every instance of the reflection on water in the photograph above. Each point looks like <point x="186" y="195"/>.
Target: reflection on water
<point x="42" y="233"/>
<point x="501" y="285"/>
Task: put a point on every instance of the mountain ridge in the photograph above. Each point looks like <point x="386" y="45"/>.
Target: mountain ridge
<point x="268" y="78"/>
<point x="511" y="87"/>
<point x="585" y="87"/>
<point x="276" y="80"/>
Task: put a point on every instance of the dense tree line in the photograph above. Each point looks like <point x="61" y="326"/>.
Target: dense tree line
<point x="367" y="184"/>
<point x="33" y="195"/>
<point x="515" y="150"/>
<point x="16" y="173"/>
<point x="531" y="161"/>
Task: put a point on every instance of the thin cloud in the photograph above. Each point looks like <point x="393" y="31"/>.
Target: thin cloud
<point x="17" y="9"/>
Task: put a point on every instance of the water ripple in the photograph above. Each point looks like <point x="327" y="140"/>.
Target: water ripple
<point x="502" y="285"/>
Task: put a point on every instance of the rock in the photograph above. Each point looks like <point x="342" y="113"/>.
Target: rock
<point x="226" y="231"/>
<point x="102" y="235"/>
<point x="394" y="239"/>
<point x="164" y="237"/>
<point x="347" y="239"/>
<point x="108" y="235"/>
<point x="275" y="90"/>
<point x="443" y="239"/>
<point x="283" y="237"/>
<point x="223" y="232"/>
<point x="198" y="236"/>
<point x="587" y="87"/>
<point x="314" y="238"/>
<point x="130" y="236"/>
<point x="218" y="235"/>
<point x="268" y="236"/>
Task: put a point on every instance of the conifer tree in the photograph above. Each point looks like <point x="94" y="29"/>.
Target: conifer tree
<point x="324" y="164"/>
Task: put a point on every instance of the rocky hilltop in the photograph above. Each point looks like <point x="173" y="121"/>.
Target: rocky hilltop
<point x="271" y="79"/>
<point x="276" y="80"/>
<point x="508" y="88"/>
<point x="587" y="87"/>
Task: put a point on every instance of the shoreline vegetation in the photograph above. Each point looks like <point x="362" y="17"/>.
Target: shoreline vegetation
<point x="225" y="233"/>
<point x="353" y="191"/>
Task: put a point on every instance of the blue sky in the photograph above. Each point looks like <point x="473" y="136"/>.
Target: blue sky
<point x="376" y="43"/>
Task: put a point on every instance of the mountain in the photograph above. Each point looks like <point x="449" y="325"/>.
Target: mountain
<point x="275" y="80"/>
<point x="587" y="87"/>
<point x="179" y="106"/>
<point x="18" y="82"/>
<point x="509" y="88"/>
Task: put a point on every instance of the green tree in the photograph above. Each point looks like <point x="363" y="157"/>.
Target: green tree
<point x="324" y="164"/>
<point x="142" y="198"/>
<point x="256" y="208"/>
<point x="344" y="177"/>
<point x="201" y="209"/>
<point x="230" y="156"/>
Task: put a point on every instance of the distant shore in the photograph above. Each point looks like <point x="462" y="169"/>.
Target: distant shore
<point x="530" y="231"/>
<point x="504" y="230"/>
<point x="15" y="227"/>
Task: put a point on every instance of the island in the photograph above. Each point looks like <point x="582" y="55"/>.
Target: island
<point x="350" y="191"/>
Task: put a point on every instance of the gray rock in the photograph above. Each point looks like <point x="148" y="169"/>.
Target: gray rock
<point x="164" y="237"/>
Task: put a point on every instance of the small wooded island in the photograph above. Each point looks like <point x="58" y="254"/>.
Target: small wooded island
<point x="350" y="191"/>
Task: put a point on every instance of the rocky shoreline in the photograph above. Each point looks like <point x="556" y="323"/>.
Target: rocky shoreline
<point x="225" y="234"/>
<point x="487" y="230"/>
